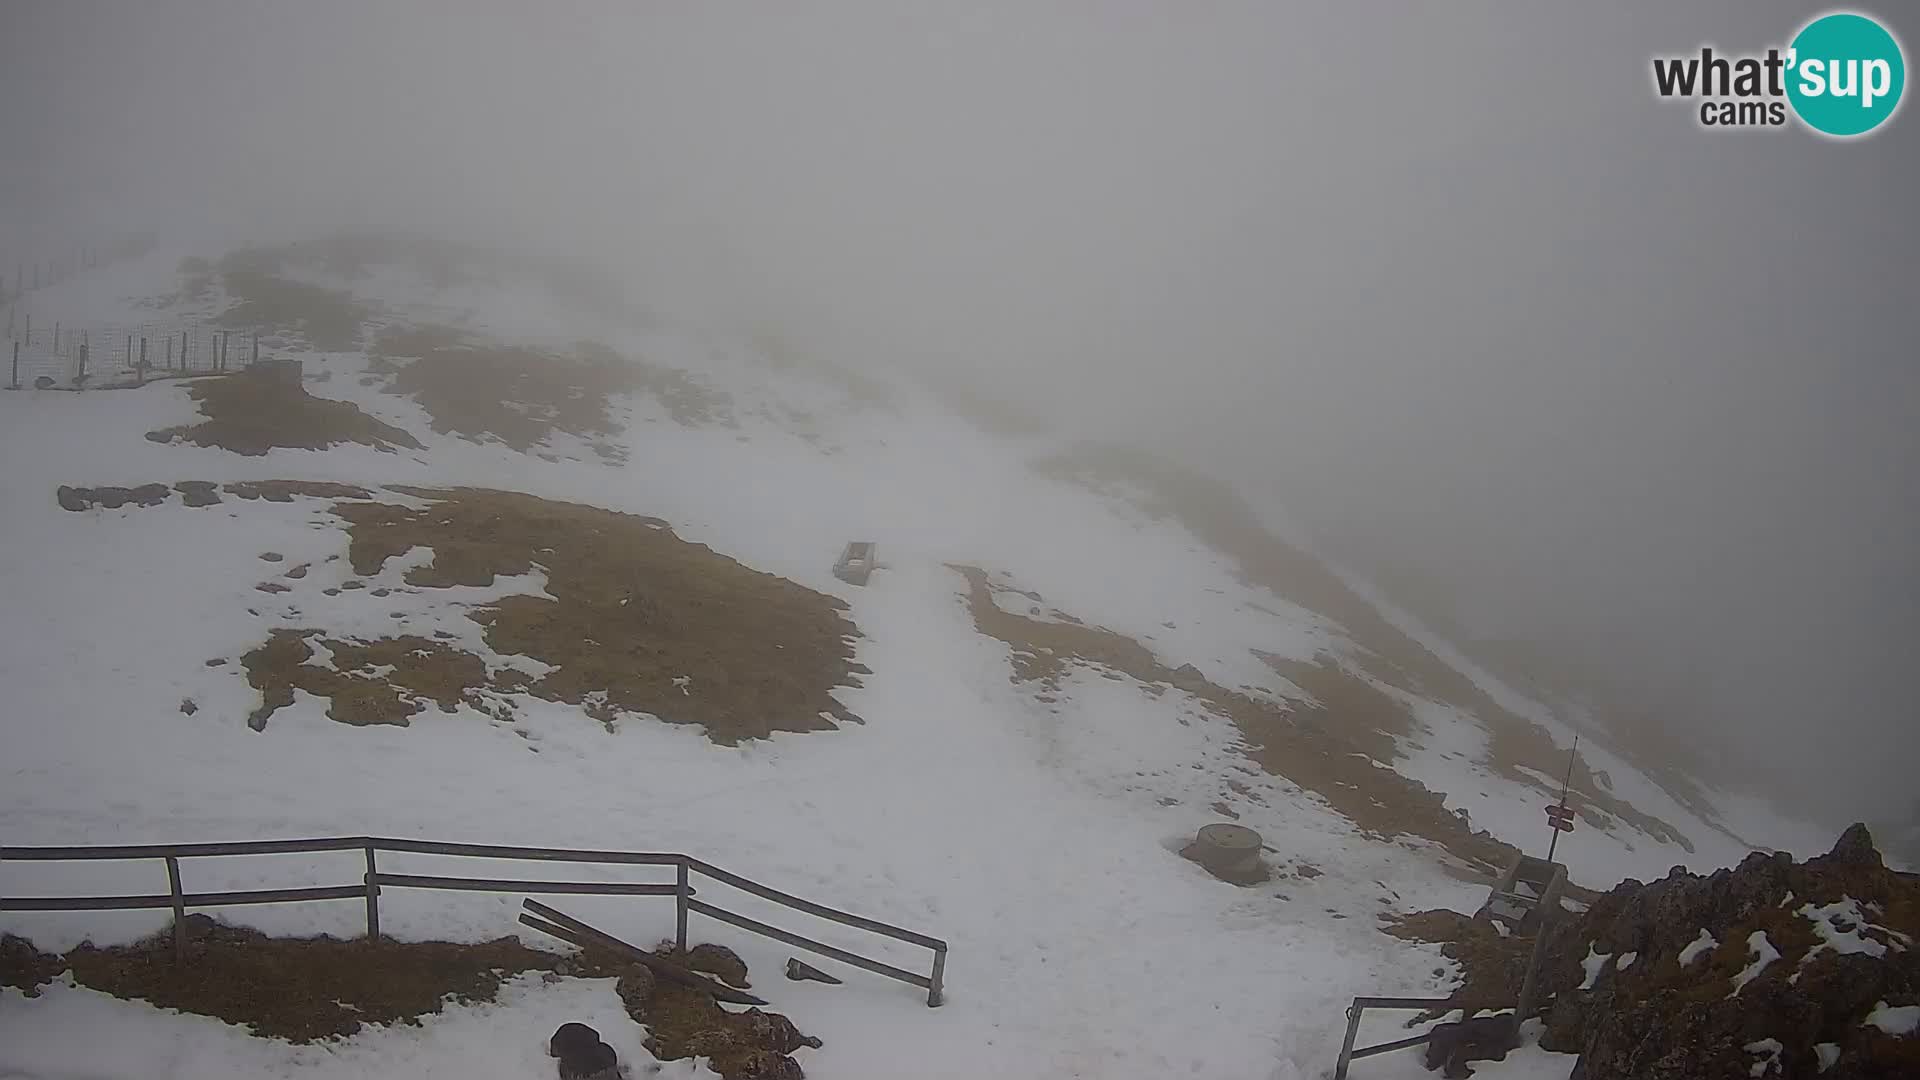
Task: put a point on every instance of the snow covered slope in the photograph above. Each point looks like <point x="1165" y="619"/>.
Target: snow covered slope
<point x="1038" y="736"/>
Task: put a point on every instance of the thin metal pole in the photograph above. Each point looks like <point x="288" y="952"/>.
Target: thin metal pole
<point x="1346" y="1048"/>
<point x="1554" y="843"/>
<point x="15" y="384"/>
<point x="373" y="900"/>
<point x="936" y="992"/>
<point x="680" y="907"/>
<point x="179" y="910"/>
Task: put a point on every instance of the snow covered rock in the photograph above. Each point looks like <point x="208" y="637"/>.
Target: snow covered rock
<point x="1812" y="949"/>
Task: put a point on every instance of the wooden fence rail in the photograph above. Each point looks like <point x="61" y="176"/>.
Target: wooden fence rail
<point x="681" y="889"/>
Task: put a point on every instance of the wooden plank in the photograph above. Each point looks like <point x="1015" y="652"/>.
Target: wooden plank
<point x="84" y="903"/>
<point x="179" y="909"/>
<point x="822" y="948"/>
<point x="499" y="851"/>
<point x="811" y="908"/>
<point x="180" y="851"/>
<point x="166" y="900"/>
<point x="665" y="969"/>
<point x="604" y="888"/>
<point x="275" y="896"/>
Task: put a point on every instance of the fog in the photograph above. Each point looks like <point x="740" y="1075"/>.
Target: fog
<point x="1447" y="282"/>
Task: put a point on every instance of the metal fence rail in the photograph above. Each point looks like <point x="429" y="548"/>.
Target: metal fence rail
<point x="373" y="880"/>
<point x="1349" y="1054"/>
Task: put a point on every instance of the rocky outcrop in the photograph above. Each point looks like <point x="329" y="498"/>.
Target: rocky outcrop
<point x="1769" y="969"/>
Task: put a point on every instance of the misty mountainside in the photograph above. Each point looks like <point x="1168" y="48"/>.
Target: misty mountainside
<point x="508" y="559"/>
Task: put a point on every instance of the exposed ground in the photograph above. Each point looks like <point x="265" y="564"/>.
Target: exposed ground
<point x="1286" y="742"/>
<point x="636" y="620"/>
<point x="264" y="300"/>
<point x="522" y="396"/>
<point x="251" y="414"/>
<point x="1518" y="749"/>
<point x="299" y="989"/>
<point x="311" y="989"/>
<point x="384" y="681"/>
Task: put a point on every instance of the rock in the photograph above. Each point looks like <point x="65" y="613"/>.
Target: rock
<point x="218" y="661"/>
<point x="571" y="1037"/>
<point x="772" y="1031"/>
<point x="1855" y="848"/>
<point x="764" y="1065"/>
<point x="187" y="706"/>
<point x="271" y="556"/>
<point x="798" y="971"/>
<point x="634" y="987"/>
<point x="1658" y="1020"/>
<point x="720" y="961"/>
<point x="1484" y="1038"/>
<point x="595" y="1062"/>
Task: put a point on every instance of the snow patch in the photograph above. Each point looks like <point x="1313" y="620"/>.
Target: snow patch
<point x="1828" y="1053"/>
<point x="1594" y="964"/>
<point x="1763" y="954"/>
<point x="1697" y="946"/>
<point x="1626" y="960"/>
<point x="1894" y="1020"/>
<point x="1771" y="1063"/>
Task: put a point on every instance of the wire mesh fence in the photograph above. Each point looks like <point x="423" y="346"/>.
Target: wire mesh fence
<point x="97" y="356"/>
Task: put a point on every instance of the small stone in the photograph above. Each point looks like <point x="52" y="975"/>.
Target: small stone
<point x="382" y="592"/>
<point x="298" y="571"/>
<point x="271" y="587"/>
<point x="218" y="661"/>
<point x="271" y="556"/>
<point x="187" y="706"/>
<point x="350" y="584"/>
<point x="798" y="970"/>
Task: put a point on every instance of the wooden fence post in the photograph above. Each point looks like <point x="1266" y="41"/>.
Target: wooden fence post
<point x="15" y="384"/>
<point x="680" y="907"/>
<point x="83" y="360"/>
<point x="179" y="910"/>
<point x="373" y="900"/>
<point x="169" y="352"/>
<point x="936" y="992"/>
<point x="256" y="349"/>
<point x="141" y="371"/>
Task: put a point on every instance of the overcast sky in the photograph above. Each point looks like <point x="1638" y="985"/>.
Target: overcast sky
<point x="1447" y="282"/>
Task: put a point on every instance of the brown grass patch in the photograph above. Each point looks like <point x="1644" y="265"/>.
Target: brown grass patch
<point x="252" y="414"/>
<point x="641" y="621"/>
<point x="1491" y="967"/>
<point x="521" y="395"/>
<point x="304" y="989"/>
<point x="1378" y="800"/>
<point x="1370" y="718"/>
<point x="330" y="320"/>
<point x="423" y="671"/>
<point x="288" y="490"/>
<point x="1218" y="517"/>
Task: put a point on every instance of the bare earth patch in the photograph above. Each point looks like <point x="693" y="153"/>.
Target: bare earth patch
<point x="522" y="396"/>
<point x="307" y="990"/>
<point x="384" y="681"/>
<point x="1378" y="800"/>
<point x="636" y="621"/>
<point x="640" y="621"/>
<point x="1519" y="749"/>
<point x="251" y="414"/>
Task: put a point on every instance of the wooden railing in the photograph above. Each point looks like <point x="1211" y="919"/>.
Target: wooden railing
<point x="1349" y="1054"/>
<point x="681" y="889"/>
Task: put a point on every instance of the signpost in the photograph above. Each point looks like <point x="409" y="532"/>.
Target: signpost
<point x="1560" y="817"/>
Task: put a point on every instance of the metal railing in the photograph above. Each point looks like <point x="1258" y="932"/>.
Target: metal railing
<point x="1348" y="1054"/>
<point x="681" y="889"/>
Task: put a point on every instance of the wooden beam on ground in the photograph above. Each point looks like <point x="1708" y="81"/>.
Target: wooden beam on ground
<point x="590" y="937"/>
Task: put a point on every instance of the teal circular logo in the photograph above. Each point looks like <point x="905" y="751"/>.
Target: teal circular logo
<point x="1845" y="74"/>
